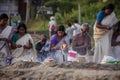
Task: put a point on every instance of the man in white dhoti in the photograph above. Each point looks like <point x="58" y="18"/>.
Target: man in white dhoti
<point x="103" y="32"/>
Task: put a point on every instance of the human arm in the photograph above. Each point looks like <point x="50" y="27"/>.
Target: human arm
<point x="45" y="48"/>
<point x="5" y="39"/>
<point x="99" y="25"/>
<point x="53" y="47"/>
<point x="100" y="16"/>
<point x="14" y="45"/>
<point x="53" y="42"/>
<point x="29" y="46"/>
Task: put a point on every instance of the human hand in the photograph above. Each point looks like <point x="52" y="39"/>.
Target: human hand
<point x="25" y="47"/>
<point x="54" y="48"/>
<point x="18" y="46"/>
<point x="64" y="46"/>
<point x="31" y="59"/>
<point x="109" y="28"/>
<point x="5" y="39"/>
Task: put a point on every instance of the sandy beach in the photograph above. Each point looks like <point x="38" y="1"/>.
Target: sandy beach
<point x="60" y="71"/>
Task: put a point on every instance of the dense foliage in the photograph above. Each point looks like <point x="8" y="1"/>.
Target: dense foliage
<point x="67" y="11"/>
<point x="88" y="8"/>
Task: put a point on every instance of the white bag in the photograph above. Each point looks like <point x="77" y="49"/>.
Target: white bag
<point x="107" y="59"/>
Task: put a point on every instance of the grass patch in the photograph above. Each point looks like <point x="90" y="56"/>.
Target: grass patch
<point x="40" y="26"/>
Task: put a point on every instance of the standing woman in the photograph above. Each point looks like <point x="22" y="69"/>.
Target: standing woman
<point x="23" y="46"/>
<point x="5" y="35"/>
<point x="59" y="43"/>
<point x="103" y="32"/>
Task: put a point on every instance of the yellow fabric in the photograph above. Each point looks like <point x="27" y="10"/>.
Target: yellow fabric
<point x="109" y="20"/>
<point x="98" y="33"/>
<point x="103" y="39"/>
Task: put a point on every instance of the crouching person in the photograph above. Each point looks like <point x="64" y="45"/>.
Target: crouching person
<point x="42" y="48"/>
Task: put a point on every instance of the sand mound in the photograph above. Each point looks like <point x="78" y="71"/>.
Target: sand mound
<point x="59" y="71"/>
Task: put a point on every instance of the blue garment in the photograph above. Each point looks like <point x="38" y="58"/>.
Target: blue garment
<point x="42" y="51"/>
<point x="100" y="16"/>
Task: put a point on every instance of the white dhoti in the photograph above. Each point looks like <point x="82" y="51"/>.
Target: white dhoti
<point x="102" y="38"/>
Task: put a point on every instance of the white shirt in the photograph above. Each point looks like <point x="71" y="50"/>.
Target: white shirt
<point x="52" y="22"/>
<point x="69" y="32"/>
<point x="77" y="29"/>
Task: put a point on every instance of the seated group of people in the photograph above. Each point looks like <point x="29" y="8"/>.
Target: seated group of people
<point x="19" y="45"/>
<point x="59" y="44"/>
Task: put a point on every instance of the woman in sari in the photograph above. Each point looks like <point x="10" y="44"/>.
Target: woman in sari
<point x="59" y="45"/>
<point x="23" y="46"/>
<point x="103" y="32"/>
<point x="5" y="35"/>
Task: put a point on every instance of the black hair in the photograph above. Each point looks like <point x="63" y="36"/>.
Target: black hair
<point x="22" y="25"/>
<point x="61" y="28"/>
<point x="109" y="6"/>
<point x="69" y="24"/>
<point x="75" y="21"/>
<point x="3" y="16"/>
<point x="43" y="37"/>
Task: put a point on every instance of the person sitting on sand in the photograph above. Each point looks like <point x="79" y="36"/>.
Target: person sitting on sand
<point x="82" y="41"/>
<point x="23" y="46"/>
<point x="59" y="44"/>
<point x="42" y="48"/>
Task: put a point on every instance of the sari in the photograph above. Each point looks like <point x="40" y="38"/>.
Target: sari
<point x="4" y="47"/>
<point x="59" y="55"/>
<point x="103" y="37"/>
<point x="21" y="54"/>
